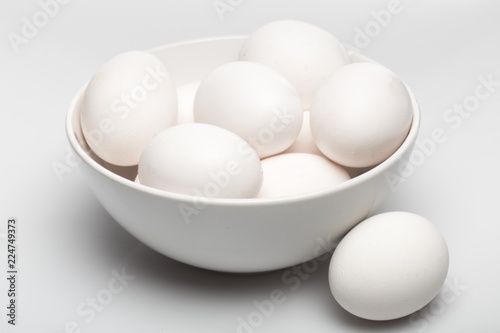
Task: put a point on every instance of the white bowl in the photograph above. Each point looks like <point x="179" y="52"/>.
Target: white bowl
<point x="232" y="235"/>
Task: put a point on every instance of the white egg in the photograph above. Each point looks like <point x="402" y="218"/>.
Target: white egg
<point x="130" y="99"/>
<point x="186" y="95"/>
<point x="303" y="53"/>
<point x="361" y="115"/>
<point x="253" y="101"/>
<point x="389" y="266"/>
<point x="305" y="142"/>
<point x="201" y="160"/>
<point x="299" y="173"/>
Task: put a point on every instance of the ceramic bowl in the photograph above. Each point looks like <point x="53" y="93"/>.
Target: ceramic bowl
<point x="233" y="235"/>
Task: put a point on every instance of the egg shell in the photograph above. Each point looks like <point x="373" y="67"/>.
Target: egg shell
<point x="253" y="101"/>
<point x="299" y="173"/>
<point x="361" y="115"/>
<point x="305" y="141"/>
<point x="130" y="99"/>
<point x="305" y="54"/>
<point x="201" y="160"/>
<point x="186" y="95"/>
<point x="389" y="266"/>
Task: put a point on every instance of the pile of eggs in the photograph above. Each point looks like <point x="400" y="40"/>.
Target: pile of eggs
<point x="290" y="117"/>
<point x="286" y="119"/>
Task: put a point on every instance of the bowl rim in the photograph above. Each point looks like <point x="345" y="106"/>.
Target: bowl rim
<point x="185" y="198"/>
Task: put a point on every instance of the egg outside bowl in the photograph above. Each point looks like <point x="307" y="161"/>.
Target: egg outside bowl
<point x="234" y="235"/>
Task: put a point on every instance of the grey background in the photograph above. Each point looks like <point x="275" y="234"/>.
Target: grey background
<point x="69" y="246"/>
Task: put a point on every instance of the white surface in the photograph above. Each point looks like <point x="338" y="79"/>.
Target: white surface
<point x="68" y="245"/>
